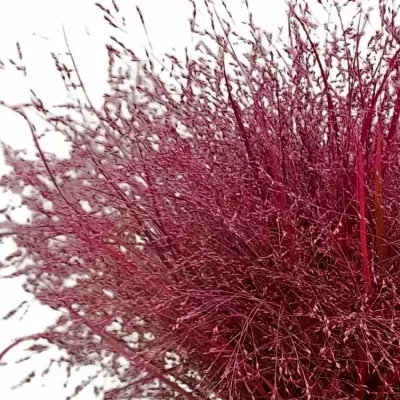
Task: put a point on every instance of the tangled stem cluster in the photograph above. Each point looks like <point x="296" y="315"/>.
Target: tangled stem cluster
<point x="232" y="231"/>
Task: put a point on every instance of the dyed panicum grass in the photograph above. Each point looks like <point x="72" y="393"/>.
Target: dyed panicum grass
<point x="232" y="231"/>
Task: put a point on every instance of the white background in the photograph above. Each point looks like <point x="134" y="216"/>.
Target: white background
<point x="37" y="25"/>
